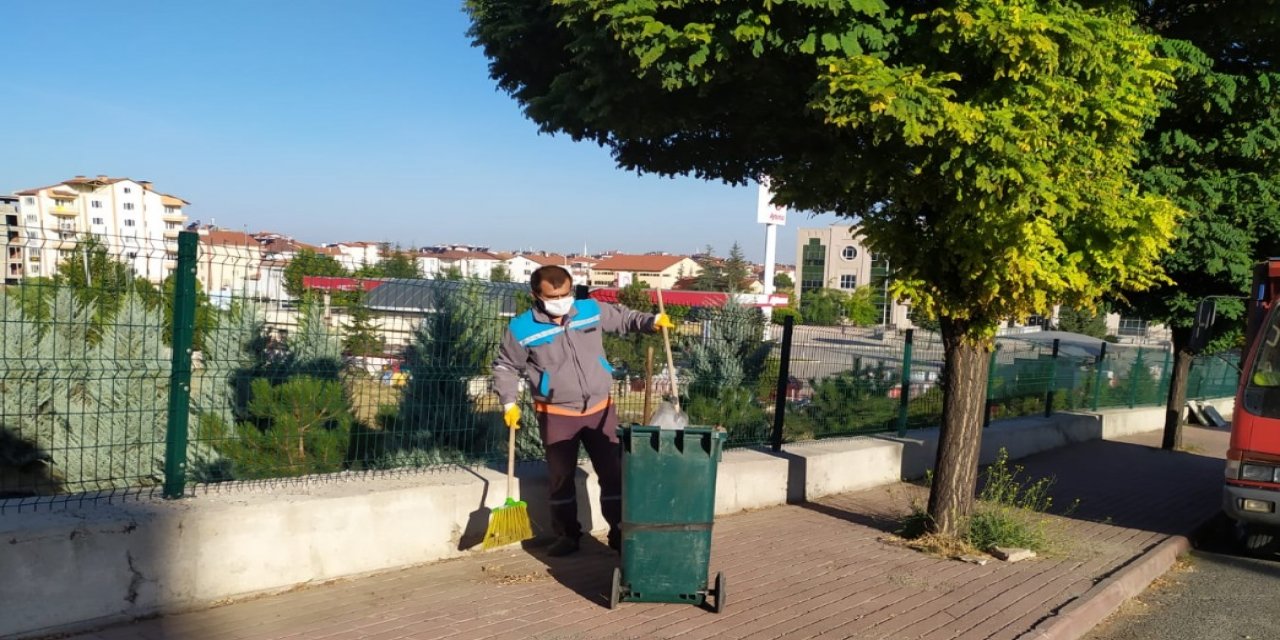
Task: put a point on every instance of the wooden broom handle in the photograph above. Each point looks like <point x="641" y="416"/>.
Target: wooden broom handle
<point x="511" y="462"/>
<point x="671" y="362"/>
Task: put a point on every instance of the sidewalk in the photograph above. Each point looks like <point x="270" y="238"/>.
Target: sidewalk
<point x="802" y="571"/>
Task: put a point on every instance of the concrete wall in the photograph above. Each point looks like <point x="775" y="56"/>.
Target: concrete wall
<point x="96" y="564"/>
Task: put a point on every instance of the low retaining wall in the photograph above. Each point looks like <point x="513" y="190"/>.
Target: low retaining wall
<point x="103" y="563"/>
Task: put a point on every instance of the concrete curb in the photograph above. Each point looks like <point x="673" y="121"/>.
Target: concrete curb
<point x="1080" y="616"/>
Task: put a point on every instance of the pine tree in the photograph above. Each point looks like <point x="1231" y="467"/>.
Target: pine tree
<point x="737" y="270"/>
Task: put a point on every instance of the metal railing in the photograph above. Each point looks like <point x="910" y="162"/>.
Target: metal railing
<point x="121" y="377"/>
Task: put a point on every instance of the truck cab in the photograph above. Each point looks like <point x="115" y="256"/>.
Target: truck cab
<point x="1252" y="490"/>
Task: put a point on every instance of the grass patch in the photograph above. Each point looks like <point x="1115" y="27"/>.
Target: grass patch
<point x="1010" y="512"/>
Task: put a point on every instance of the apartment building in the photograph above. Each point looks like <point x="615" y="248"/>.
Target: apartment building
<point x="354" y="255"/>
<point x="230" y="263"/>
<point x="11" y="242"/>
<point x="656" y="270"/>
<point x="836" y="257"/>
<point x="434" y="263"/>
<point x="137" y="224"/>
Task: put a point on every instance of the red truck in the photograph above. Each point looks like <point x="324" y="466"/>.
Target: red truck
<point x="1252" y="488"/>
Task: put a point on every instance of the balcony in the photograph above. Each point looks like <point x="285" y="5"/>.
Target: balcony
<point x="174" y="216"/>
<point x="172" y="234"/>
<point x="65" y="244"/>
<point x="69" y="212"/>
<point x="170" y="264"/>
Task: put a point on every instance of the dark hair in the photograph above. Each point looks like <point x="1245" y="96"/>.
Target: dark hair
<point x="551" y="274"/>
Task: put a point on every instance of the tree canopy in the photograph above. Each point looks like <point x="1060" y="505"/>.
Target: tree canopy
<point x="987" y="146"/>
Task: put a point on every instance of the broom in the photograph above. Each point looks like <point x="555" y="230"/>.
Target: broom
<point x="510" y="522"/>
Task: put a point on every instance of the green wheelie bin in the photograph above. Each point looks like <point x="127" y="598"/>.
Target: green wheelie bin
<point x="668" y="507"/>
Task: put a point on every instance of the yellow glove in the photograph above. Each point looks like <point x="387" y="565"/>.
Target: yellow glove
<point x="663" y="321"/>
<point x="512" y="416"/>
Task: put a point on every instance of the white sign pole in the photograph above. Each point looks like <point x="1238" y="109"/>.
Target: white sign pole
<point x="771" y="216"/>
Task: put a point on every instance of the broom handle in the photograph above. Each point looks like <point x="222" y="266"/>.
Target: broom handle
<point x="511" y="462"/>
<point x="671" y="363"/>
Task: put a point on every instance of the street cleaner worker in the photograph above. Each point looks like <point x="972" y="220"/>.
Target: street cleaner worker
<point x="558" y="347"/>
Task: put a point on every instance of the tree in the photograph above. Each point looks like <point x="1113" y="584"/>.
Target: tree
<point x="1083" y="321"/>
<point x="500" y="273"/>
<point x="104" y="284"/>
<point x="309" y="263"/>
<point x="823" y="307"/>
<point x="452" y="272"/>
<point x="1215" y="152"/>
<point x="636" y="296"/>
<point x="783" y="282"/>
<point x="985" y="145"/>
<point x="398" y="264"/>
<point x="737" y="270"/>
<point x="860" y="307"/>
<point x="362" y="338"/>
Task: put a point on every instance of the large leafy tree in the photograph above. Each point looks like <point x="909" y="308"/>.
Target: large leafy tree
<point x="985" y="145"/>
<point x="1215" y="151"/>
<point x="309" y="263"/>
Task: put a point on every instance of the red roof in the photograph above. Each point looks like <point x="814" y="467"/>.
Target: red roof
<point x="694" y="298"/>
<point x="232" y="238"/>
<point x="623" y="262"/>
<point x="330" y="283"/>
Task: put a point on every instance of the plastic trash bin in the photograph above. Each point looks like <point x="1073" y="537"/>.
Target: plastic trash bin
<point x="668" y="508"/>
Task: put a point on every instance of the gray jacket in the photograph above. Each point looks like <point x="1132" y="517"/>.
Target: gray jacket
<point x="565" y="364"/>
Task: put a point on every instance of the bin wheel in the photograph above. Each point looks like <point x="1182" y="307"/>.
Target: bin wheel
<point x="615" y="594"/>
<point x="719" y="592"/>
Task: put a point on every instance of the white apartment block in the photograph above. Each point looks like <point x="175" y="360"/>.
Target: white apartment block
<point x="354" y="255"/>
<point x="137" y="224"/>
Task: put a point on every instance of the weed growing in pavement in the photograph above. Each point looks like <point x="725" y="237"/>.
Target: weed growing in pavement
<point x="1009" y="513"/>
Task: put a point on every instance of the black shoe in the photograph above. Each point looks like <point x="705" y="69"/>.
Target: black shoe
<point x="563" y="546"/>
<point x="615" y="541"/>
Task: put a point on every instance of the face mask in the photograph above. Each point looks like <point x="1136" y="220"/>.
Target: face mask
<point x="558" y="307"/>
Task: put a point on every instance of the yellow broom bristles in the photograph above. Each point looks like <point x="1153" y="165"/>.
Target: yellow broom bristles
<point x="508" y="524"/>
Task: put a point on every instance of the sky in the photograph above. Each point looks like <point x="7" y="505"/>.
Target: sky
<point x="331" y="121"/>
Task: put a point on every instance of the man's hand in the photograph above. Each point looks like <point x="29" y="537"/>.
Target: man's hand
<point x="663" y="321"/>
<point x="511" y="415"/>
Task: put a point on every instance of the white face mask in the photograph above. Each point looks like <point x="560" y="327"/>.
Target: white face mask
<point x="558" y="307"/>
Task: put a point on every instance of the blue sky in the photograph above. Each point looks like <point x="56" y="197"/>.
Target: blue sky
<point x="329" y="120"/>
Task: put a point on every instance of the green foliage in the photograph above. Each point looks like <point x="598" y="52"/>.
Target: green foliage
<point x="736" y="409"/>
<point x="361" y="338"/>
<point x="398" y="264"/>
<point x="823" y="307"/>
<point x="1083" y="321"/>
<point x="737" y="270"/>
<point x="783" y="283"/>
<point x="636" y="296"/>
<point x="301" y="426"/>
<point x="309" y="263"/>
<point x="1010" y="511"/>
<point x="780" y="315"/>
<point x="500" y="273"/>
<point x="452" y="272"/>
<point x="103" y="285"/>
<point x="87" y="426"/>
<point x="860" y="308"/>
<point x="450" y="347"/>
<point x="1215" y="152"/>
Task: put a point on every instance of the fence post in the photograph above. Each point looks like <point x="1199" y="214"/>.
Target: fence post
<point x="1097" y="375"/>
<point x="904" y="398"/>
<point x="1053" y="380"/>
<point x="184" y="315"/>
<point x="991" y="368"/>
<point x="1133" y="380"/>
<point x="784" y="380"/>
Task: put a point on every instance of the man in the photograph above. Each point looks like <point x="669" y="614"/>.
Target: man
<point x="558" y="347"/>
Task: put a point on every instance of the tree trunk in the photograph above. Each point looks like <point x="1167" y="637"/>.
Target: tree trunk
<point x="964" y="387"/>
<point x="1182" y="358"/>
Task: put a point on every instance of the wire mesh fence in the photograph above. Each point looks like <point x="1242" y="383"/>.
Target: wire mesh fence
<point x="141" y="365"/>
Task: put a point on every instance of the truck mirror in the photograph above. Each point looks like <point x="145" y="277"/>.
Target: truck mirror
<point x="1206" y="314"/>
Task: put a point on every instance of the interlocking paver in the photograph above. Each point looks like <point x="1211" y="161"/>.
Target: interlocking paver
<point x="819" y="570"/>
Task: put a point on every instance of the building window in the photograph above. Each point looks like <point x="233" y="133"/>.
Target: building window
<point x="130" y="223"/>
<point x="131" y="255"/>
<point x="29" y="201"/>
<point x="34" y="269"/>
<point x="31" y="217"/>
<point x="98" y="221"/>
<point x="96" y="204"/>
<point x="848" y="281"/>
<point x="128" y="206"/>
<point x="65" y="254"/>
<point x="170" y="210"/>
<point x="171" y="225"/>
<point x="128" y="190"/>
<point x="813" y="260"/>
<point x="849" y="253"/>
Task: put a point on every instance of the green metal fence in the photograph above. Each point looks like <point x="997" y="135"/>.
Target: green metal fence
<point x="195" y="361"/>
